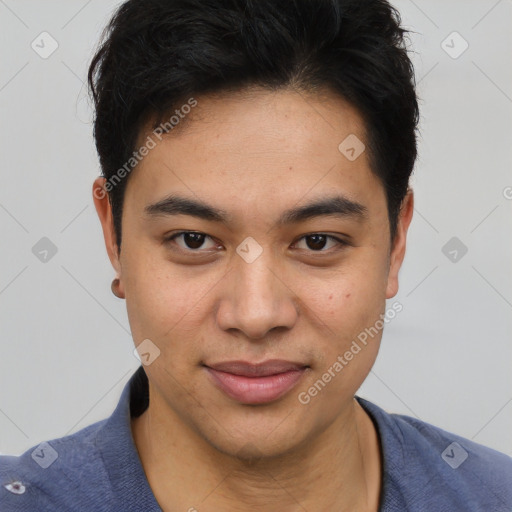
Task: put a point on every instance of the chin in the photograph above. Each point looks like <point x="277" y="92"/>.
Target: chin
<point x="258" y="439"/>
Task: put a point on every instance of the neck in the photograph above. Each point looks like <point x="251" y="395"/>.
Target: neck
<point x="338" y="470"/>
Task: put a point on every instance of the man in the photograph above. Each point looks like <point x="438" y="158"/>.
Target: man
<point x="255" y="204"/>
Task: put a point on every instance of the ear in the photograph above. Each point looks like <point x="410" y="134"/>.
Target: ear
<point x="398" y="249"/>
<point x="104" y="211"/>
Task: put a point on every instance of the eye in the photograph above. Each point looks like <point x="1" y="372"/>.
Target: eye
<point x="318" y="241"/>
<point x="194" y="241"/>
<point x="190" y="240"/>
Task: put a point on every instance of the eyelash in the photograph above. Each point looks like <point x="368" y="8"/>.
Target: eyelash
<point x="341" y="243"/>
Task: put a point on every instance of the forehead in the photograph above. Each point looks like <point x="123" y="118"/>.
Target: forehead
<point x="253" y="148"/>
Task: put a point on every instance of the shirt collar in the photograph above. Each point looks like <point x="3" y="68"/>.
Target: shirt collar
<point x="117" y="447"/>
<point x="128" y="480"/>
<point x="391" y="443"/>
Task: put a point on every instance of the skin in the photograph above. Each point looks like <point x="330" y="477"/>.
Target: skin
<point x="255" y="154"/>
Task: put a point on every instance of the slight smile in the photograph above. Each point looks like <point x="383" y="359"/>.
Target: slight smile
<point x="261" y="383"/>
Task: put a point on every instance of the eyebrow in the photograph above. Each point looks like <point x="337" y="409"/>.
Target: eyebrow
<point x="336" y="206"/>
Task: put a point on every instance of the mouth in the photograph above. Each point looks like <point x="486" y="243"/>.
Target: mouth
<point x="261" y="383"/>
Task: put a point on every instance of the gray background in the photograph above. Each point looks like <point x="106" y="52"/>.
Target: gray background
<point x="65" y="344"/>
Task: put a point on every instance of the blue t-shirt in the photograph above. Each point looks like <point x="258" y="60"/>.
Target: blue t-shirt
<point x="98" y="468"/>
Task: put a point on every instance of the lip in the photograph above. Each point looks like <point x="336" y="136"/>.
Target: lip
<point x="260" y="383"/>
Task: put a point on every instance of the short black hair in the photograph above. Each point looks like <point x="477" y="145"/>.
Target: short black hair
<point x="157" y="53"/>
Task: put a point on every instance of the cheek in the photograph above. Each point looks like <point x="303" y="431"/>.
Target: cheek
<point x="347" y="354"/>
<point x="350" y="312"/>
<point x="162" y="299"/>
<point x="356" y="293"/>
<point x="349" y="304"/>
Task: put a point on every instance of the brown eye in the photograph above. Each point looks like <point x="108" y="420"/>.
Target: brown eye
<point x="317" y="242"/>
<point x="193" y="240"/>
<point x="190" y="240"/>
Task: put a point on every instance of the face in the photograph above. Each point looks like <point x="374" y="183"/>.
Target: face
<point x="248" y="238"/>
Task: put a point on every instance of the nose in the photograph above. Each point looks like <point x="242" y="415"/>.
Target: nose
<point x="257" y="299"/>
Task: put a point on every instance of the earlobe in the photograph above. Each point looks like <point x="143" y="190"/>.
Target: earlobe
<point x="116" y="288"/>
<point x="104" y="211"/>
<point x="399" y="244"/>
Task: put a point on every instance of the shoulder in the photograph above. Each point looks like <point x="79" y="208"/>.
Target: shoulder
<point x="55" y="475"/>
<point x="430" y="466"/>
<point x="486" y="464"/>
